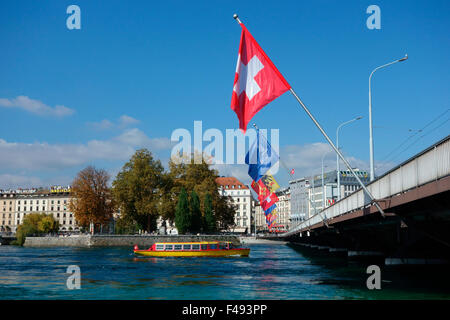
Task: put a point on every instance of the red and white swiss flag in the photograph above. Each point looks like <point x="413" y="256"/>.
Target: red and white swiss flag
<point x="257" y="81"/>
<point x="267" y="202"/>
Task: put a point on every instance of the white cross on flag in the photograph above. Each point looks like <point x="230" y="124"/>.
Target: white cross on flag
<point x="257" y="81"/>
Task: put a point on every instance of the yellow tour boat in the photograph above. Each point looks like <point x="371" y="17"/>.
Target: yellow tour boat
<point x="193" y="249"/>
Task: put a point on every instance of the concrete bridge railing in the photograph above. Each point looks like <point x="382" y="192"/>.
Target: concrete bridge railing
<point x="431" y="164"/>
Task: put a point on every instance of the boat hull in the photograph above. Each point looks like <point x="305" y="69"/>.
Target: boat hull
<point x="208" y="253"/>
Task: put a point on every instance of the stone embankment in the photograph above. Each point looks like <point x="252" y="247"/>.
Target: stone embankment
<point x="143" y="241"/>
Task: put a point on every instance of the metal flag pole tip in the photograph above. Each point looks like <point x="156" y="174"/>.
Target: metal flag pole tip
<point x="236" y="17"/>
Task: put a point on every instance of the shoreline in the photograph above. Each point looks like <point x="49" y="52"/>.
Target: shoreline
<point x="120" y="240"/>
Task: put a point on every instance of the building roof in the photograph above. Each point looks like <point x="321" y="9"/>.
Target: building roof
<point x="230" y="183"/>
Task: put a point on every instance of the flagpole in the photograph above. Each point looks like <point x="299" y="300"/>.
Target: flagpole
<point x="235" y="16"/>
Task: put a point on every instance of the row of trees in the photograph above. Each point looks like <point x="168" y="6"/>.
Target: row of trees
<point x="144" y="191"/>
<point x="188" y="215"/>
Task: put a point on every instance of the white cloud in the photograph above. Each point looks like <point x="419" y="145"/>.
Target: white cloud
<point x="102" y="125"/>
<point x="10" y="181"/>
<point x="44" y="156"/>
<point x="123" y="122"/>
<point x="307" y="160"/>
<point x="36" y="107"/>
<point x="127" y="120"/>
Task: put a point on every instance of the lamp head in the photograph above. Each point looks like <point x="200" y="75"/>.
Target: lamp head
<point x="404" y="58"/>
<point x="359" y="118"/>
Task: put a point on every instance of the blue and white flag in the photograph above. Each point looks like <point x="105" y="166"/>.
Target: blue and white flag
<point x="260" y="157"/>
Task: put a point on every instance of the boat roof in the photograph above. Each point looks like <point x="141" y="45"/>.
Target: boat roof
<point x="194" y="242"/>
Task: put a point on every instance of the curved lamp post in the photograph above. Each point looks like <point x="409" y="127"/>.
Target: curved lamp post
<point x="372" y="171"/>
<point x="337" y="157"/>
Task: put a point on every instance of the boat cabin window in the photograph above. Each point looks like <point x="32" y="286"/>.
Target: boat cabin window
<point x="159" y="247"/>
<point x="204" y="246"/>
<point x="213" y="246"/>
<point x="195" y="247"/>
<point x="186" y="247"/>
<point x="177" y="247"/>
<point x="223" y="246"/>
<point x="169" y="247"/>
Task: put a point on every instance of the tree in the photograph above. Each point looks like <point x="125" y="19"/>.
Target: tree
<point x="47" y="224"/>
<point x="36" y="224"/>
<point x="201" y="178"/>
<point x="196" y="214"/>
<point x="125" y="225"/>
<point x="139" y="189"/>
<point x="182" y="213"/>
<point x="209" y="221"/>
<point x="91" y="200"/>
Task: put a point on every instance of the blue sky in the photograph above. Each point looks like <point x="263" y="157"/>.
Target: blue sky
<point x="138" y="70"/>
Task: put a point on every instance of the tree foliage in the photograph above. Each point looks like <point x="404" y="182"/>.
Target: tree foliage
<point x="196" y="214"/>
<point x="209" y="221"/>
<point x="125" y="225"/>
<point x="91" y="199"/>
<point x="198" y="177"/>
<point x="139" y="189"/>
<point x="183" y="213"/>
<point x="36" y="224"/>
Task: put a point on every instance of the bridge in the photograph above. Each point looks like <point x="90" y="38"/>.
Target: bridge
<point x="415" y="228"/>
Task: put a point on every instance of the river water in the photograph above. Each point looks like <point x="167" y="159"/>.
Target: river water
<point x="270" y="272"/>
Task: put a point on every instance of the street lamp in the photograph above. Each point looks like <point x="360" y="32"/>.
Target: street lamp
<point x="372" y="171"/>
<point x="323" y="187"/>
<point x="337" y="156"/>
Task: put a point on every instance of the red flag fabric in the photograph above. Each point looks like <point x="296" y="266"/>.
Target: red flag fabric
<point x="261" y="190"/>
<point x="268" y="201"/>
<point x="292" y="171"/>
<point x="257" y="81"/>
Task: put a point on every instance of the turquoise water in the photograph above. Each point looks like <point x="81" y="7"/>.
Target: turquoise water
<point x="271" y="272"/>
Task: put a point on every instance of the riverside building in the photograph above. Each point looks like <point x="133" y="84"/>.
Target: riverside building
<point x="324" y="195"/>
<point x="241" y="198"/>
<point x="18" y="204"/>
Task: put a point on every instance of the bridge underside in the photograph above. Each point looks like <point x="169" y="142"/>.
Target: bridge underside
<point x="416" y="226"/>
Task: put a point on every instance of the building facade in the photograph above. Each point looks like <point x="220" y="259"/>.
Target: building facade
<point x="7" y="211"/>
<point x="299" y="200"/>
<point x="15" y="205"/>
<point x="284" y="213"/>
<point x="283" y="208"/>
<point x="323" y="195"/>
<point x="241" y="198"/>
